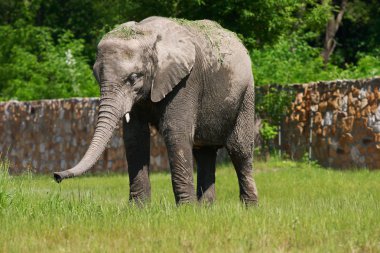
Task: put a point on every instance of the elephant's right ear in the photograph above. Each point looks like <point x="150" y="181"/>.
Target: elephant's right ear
<point x="175" y="60"/>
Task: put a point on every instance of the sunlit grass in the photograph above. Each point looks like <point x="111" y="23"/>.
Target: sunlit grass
<point x="303" y="208"/>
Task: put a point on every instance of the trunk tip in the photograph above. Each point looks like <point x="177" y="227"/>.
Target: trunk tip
<point x="58" y="177"/>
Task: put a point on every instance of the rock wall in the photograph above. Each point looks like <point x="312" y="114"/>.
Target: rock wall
<point x="52" y="135"/>
<point x="339" y="121"/>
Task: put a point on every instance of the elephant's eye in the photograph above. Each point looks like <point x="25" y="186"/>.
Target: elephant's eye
<point x="132" y="78"/>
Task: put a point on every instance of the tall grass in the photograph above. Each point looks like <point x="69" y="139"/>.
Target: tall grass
<point x="303" y="208"/>
<point x="5" y="182"/>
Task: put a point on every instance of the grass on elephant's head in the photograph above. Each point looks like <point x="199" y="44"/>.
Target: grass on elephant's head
<point x="124" y="31"/>
<point x="302" y="208"/>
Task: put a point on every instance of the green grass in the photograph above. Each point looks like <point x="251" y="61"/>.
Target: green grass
<point x="302" y="209"/>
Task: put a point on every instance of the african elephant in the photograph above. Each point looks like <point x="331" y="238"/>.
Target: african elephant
<point x="193" y="81"/>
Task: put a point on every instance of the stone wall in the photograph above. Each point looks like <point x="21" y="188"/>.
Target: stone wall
<point x="339" y="121"/>
<point x="52" y="135"/>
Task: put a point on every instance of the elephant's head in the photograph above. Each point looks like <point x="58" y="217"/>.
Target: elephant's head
<point x="135" y="62"/>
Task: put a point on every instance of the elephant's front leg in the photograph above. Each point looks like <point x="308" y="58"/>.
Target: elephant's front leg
<point x="137" y="149"/>
<point x="181" y="166"/>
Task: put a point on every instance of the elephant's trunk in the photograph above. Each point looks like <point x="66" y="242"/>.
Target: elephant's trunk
<point x="109" y="114"/>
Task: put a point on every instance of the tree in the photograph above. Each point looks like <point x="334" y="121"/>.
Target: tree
<point x="360" y="34"/>
<point x="332" y="28"/>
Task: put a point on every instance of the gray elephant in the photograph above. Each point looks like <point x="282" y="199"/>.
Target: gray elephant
<point x="193" y="81"/>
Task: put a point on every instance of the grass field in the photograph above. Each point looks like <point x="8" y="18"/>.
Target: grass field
<point x="302" y="209"/>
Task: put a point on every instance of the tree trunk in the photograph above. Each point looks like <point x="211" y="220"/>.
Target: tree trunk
<point x="331" y="30"/>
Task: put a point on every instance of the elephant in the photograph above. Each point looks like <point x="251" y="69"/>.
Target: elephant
<point x="193" y="81"/>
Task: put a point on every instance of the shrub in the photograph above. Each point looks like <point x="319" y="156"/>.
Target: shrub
<point x="34" y="65"/>
<point x="293" y="60"/>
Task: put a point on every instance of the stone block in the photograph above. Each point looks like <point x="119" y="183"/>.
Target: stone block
<point x="317" y="120"/>
<point x="303" y="115"/>
<point x="351" y="111"/>
<point x="355" y="92"/>
<point x="322" y="106"/>
<point x="376" y="92"/>
<point x="333" y="104"/>
<point x="319" y="130"/>
<point x="346" y="139"/>
<point x="328" y="118"/>
<point x="358" y="114"/>
<point x="314" y="96"/>
<point x="366" y="111"/>
<point x="377" y="137"/>
<point x="300" y="128"/>
<point x="371" y="98"/>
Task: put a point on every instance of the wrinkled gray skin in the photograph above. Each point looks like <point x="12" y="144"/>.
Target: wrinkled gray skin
<point x="191" y="80"/>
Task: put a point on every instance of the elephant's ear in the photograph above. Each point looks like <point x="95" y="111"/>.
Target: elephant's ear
<point x="175" y="60"/>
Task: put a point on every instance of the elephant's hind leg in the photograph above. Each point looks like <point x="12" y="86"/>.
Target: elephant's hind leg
<point x="247" y="185"/>
<point x="205" y="158"/>
<point x="240" y="148"/>
<point x="137" y="149"/>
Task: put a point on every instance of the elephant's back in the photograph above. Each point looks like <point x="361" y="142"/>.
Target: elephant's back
<point x="210" y="30"/>
<point x="228" y="73"/>
<point x="214" y="40"/>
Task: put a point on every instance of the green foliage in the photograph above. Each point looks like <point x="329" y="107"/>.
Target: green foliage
<point x="285" y="39"/>
<point x="302" y="209"/>
<point x="267" y="131"/>
<point x="367" y="66"/>
<point x="34" y="66"/>
<point x="271" y="105"/>
<point x="258" y="23"/>
<point x="293" y="60"/>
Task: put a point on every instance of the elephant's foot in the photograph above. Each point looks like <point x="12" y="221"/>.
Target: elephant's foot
<point x="139" y="201"/>
<point x="247" y="185"/>
<point x="252" y="204"/>
<point x="249" y="202"/>
<point x="185" y="198"/>
<point x="140" y="191"/>
<point x="186" y="201"/>
<point x="207" y="197"/>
